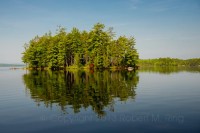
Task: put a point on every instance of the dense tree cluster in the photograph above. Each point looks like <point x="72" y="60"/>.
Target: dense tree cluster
<point x="96" y="48"/>
<point x="169" y="62"/>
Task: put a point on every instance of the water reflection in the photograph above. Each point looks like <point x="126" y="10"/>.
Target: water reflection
<point x="81" y="89"/>
<point x="169" y="70"/>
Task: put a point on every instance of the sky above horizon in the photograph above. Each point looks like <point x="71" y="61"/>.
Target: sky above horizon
<point x="162" y="28"/>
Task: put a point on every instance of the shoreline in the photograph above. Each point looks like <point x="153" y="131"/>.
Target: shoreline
<point x="75" y="68"/>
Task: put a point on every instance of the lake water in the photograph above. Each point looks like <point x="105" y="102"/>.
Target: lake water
<point x="149" y="100"/>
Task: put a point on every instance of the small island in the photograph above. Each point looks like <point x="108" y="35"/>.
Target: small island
<point x="98" y="48"/>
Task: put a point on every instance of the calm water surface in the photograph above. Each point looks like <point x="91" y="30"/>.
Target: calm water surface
<point x="150" y="100"/>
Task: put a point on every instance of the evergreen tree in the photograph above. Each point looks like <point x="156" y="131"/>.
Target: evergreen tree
<point x="97" y="47"/>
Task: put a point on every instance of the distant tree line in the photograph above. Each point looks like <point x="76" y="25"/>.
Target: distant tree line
<point x="169" y="62"/>
<point x="11" y="65"/>
<point x="96" y="48"/>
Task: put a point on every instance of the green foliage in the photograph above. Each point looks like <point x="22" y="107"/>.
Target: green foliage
<point x="169" y="62"/>
<point x="97" y="47"/>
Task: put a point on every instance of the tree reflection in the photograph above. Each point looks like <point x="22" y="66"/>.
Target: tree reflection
<point x="169" y="69"/>
<point x="81" y="89"/>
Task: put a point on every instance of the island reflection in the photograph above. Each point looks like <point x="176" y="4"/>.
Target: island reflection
<point x="81" y="89"/>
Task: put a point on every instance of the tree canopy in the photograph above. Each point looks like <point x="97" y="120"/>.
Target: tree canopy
<point x="97" y="48"/>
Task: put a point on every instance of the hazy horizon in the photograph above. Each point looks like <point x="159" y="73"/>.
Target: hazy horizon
<point x="167" y="28"/>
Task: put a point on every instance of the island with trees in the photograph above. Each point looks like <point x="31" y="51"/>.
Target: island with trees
<point x="97" y="48"/>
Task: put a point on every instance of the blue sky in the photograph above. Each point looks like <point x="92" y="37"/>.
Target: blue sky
<point x="162" y="28"/>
